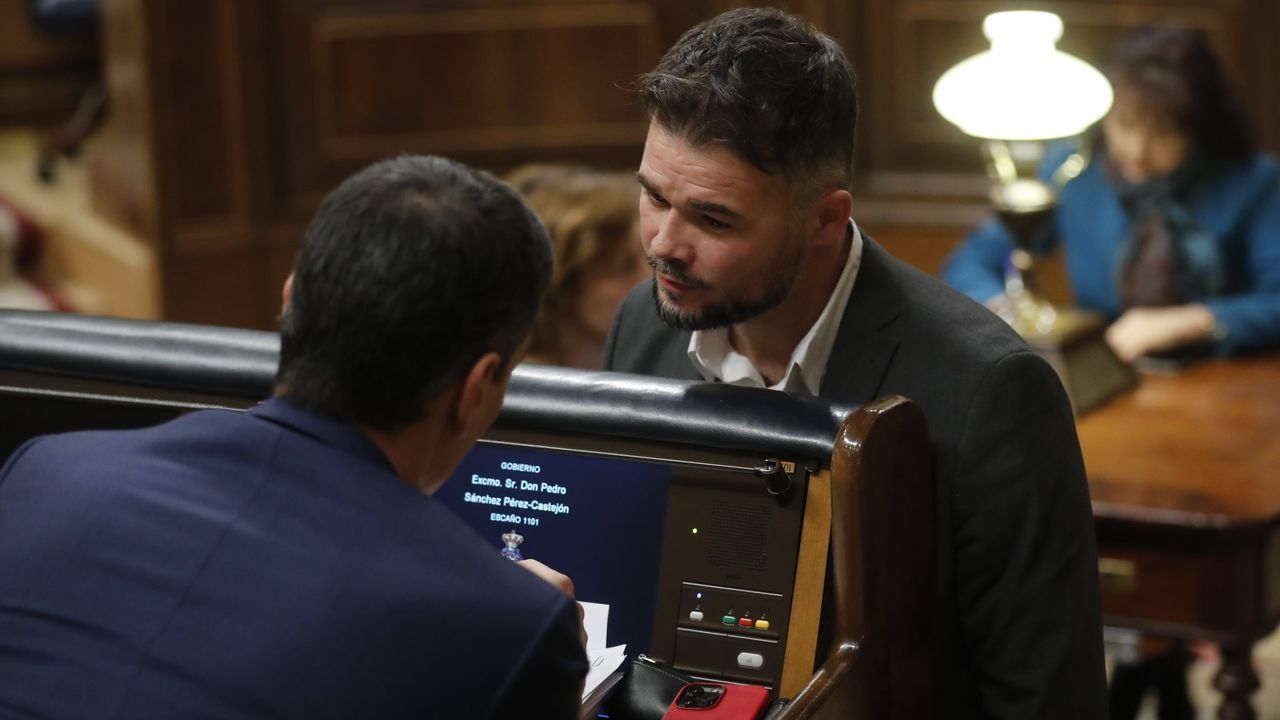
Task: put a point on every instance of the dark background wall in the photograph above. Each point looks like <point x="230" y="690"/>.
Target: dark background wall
<point x="41" y="75"/>
<point x="230" y="119"/>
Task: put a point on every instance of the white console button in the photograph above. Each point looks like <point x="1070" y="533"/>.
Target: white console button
<point x="750" y="660"/>
<point x="695" y="615"/>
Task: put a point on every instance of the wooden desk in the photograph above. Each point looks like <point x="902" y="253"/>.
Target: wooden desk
<point x="1185" y="478"/>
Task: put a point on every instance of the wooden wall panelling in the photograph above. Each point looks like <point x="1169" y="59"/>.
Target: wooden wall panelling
<point x="233" y="119"/>
<point x="1253" y="56"/>
<point x="42" y="76"/>
<point x="174" y="165"/>
<point x="493" y="85"/>
<point x="210" y="253"/>
<point x="278" y="233"/>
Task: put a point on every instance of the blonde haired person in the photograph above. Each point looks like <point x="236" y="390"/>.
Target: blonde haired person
<point x="592" y="217"/>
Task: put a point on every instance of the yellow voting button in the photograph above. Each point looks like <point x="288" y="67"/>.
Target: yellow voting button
<point x="762" y="624"/>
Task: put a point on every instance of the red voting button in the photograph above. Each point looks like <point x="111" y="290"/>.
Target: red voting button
<point x="746" y="622"/>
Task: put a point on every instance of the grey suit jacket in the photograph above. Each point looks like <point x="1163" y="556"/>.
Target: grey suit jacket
<point x="1017" y="612"/>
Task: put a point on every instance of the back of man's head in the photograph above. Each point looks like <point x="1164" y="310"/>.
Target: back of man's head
<point x="412" y="270"/>
<point x="766" y="84"/>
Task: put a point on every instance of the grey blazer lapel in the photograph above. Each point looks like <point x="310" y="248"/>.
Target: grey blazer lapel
<point x="676" y="359"/>
<point x="865" y="344"/>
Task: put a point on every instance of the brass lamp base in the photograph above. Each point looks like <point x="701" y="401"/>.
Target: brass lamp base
<point x="1076" y="347"/>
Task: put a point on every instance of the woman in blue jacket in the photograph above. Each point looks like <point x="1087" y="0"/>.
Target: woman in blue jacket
<point x="1173" y="230"/>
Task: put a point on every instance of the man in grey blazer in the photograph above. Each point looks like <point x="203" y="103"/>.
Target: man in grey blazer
<point x="761" y="278"/>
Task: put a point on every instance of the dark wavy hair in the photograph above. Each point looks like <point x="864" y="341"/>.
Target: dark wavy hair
<point x="768" y="85"/>
<point x="1173" y="68"/>
<point x="412" y="270"/>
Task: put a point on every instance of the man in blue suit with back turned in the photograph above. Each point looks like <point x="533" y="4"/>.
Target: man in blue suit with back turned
<point x="289" y="561"/>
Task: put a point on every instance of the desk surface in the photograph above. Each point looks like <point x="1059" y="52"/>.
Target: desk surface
<point x="1200" y="449"/>
<point x="1185" y="477"/>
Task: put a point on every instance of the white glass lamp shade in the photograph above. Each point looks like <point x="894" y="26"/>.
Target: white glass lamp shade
<point x="1023" y="88"/>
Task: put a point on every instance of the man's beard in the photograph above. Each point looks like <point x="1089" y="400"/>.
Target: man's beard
<point x="729" y="311"/>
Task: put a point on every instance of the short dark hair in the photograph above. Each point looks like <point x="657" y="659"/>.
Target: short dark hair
<point x="1174" y="68"/>
<point x="768" y="85"/>
<point x="412" y="269"/>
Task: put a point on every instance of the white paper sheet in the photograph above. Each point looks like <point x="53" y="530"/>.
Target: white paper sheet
<point x="604" y="662"/>
<point x="595" y="620"/>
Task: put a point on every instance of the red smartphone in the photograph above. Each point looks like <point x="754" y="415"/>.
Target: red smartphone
<point x="718" y="701"/>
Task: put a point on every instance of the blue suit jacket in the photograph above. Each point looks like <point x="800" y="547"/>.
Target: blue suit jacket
<point x="260" y="564"/>
<point x="1239" y="206"/>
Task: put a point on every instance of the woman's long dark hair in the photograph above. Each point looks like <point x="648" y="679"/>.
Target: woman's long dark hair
<point x="1174" y="68"/>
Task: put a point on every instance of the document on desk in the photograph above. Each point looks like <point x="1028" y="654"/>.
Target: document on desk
<point x="595" y="620"/>
<point x="603" y="664"/>
<point x="604" y="661"/>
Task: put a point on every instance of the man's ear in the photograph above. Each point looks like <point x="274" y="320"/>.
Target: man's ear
<point x="286" y="293"/>
<point x="479" y="396"/>
<point x="832" y="213"/>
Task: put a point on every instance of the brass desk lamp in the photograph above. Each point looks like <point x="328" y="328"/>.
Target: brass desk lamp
<point x="1017" y="96"/>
